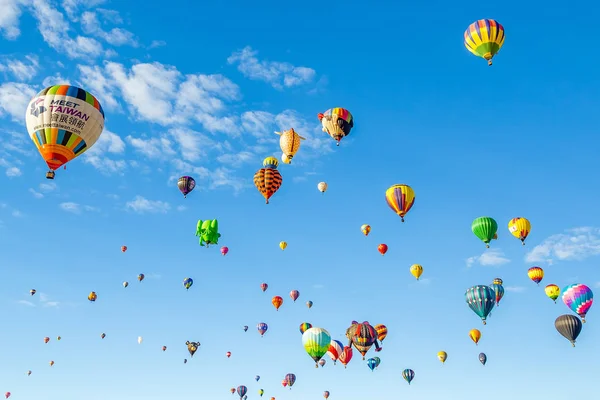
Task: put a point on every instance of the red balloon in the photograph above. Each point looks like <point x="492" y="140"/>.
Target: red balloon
<point x="382" y="248"/>
<point x="264" y="286"/>
<point x="123" y="249"/>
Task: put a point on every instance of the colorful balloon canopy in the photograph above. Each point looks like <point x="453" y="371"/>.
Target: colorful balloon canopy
<point x="408" y="375"/>
<point x="519" y="227"/>
<point x="186" y="184"/>
<point x="536" y="274"/>
<point x="484" y="38"/>
<point x="552" y="291"/>
<point x="365" y="229"/>
<point x="578" y="298"/>
<point x="268" y="180"/>
<point x="63" y="122"/>
<point x="316" y="343"/>
<point x="400" y="198"/>
<point x="481" y="299"/>
<point x="337" y="123"/>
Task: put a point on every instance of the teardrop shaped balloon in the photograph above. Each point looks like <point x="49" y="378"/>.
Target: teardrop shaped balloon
<point x="475" y="335"/>
<point x="316" y="343"/>
<point x="382" y="248"/>
<point x="186" y="184"/>
<point x="262" y="328"/>
<point x="485" y="229"/>
<point x="382" y="332"/>
<point x="277" y="301"/>
<point x="268" y="180"/>
<point x="442" y="356"/>
<point x="322" y="186"/>
<point x="484" y="38"/>
<point x="337" y="123"/>
<point x="579" y="298"/>
<point x="536" y="274"/>
<point x="400" y="198"/>
<point x="498" y="290"/>
<point x="519" y="227"/>
<point x="294" y="294"/>
<point x="335" y="350"/>
<point x="264" y="287"/>
<point x="552" y="291"/>
<point x="63" y="122"/>
<point x="481" y="299"/>
<point x="408" y="375"/>
<point x="309" y="304"/>
<point x="224" y="250"/>
<point x="365" y="229"/>
<point x="482" y="358"/>
<point x="416" y="270"/>
<point x="187" y="283"/>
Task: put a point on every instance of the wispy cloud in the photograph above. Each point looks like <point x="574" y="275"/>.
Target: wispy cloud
<point x="26" y="303"/>
<point x="44" y="188"/>
<point x="13" y="172"/>
<point x="109" y="144"/>
<point x="9" y="18"/>
<point x="278" y="74"/>
<point x="142" y="205"/>
<point x="22" y="69"/>
<point x="575" y="244"/>
<point x="45" y="301"/>
<point x="491" y="257"/>
<point x="515" y="289"/>
<point x="20" y="94"/>
<point x="76" y="208"/>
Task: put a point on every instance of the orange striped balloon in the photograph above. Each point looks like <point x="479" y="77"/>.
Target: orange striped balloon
<point x="267" y="181"/>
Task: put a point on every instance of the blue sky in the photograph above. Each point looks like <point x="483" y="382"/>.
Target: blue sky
<point x="199" y="90"/>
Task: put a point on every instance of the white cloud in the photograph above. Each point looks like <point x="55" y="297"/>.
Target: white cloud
<point x="19" y="95"/>
<point x="278" y="74"/>
<point x="318" y="286"/>
<point x="46" y="302"/>
<point x="491" y="257"/>
<point x="25" y="302"/>
<point x="17" y="214"/>
<point x="181" y="208"/>
<point x="36" y="194"/>
<point x="55" y="79"/>
<point x="116" y="36"/>
<point x="76" y="208"/>
<point x="142" y="205"/>
<point x="23" y="70"/>
<point x="13" y="172"/>
<point x="97" y="156"/>
<point x="157" y="43"/>
<point x="51" y="24"/>
<point x="10" y="12"/>
<point x="574" y="244"/>
<point x="74" y="7"/>
<point x="514" y="289"/>
<point x="48" y="187"/>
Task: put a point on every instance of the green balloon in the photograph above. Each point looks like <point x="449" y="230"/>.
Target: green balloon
<point x="485" y="228"/>
<point x="316" y="343"/>
<point x="208" y="232"/>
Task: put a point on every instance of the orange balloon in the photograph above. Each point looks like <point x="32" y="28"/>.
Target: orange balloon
<point x="277" y="302"/>
<point x="475" y="335"/>
<point x="382" y="248"/>
<point x="123" y="249"/>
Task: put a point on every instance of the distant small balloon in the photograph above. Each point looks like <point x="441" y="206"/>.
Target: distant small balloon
<point x="224" y="250"/>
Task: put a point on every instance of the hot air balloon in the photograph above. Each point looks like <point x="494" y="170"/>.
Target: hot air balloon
<point x="536" y="274"/>
<point x="242" y="390"/>
<point x="125" y="284"/>
<point x="475" y="335"/>
<point x="282" y="245"/>
<point x="186" y="184"/>
<point x="63" y="122"/>
<point x="141" y="277"/>
<point x="92" y="296"/>
<point x="485" y="229"/>
<point x="103" y="335"/>
<point x="365" y="229"/>
<point x="277" y="301"/>
<point x="362" y="336"/>
<point x="7" y="395"/>
<point x="123" y="249"/>
<point x="285" y="159"/>
<point x="484" y="38"/>
<point x="245" y="328"/>
<point x="552" y="291"/>
<point x="224" y="250"/>
<point x="228" y="354"/>
<point x="309" y="304"/>
<point x="32" y="292"/>
<point x="290" y="379"/>
<point x="187" y="283"/>
<point x="28" y="372"/>
<point x="289" y="141"/>
<point x="322" y="186"/>
<point x="482" y="358"/>
<point x="569" y="326"/>
<point x="322" y="362"/>
<point x="316" y="343"/>
<point x="498" y="289"/>
<point x="335" y="350"/>
<point x="257" y="378"/>
<point x="164" y="348"/>
<point x="260" y="392"/>
<point x="232" y="390"/>
<point x="442" y="356"/>
<point x="268" y="180"/>
<point x="400" y="198"/>
<point x="381" y="332"/>
<point x="371" y="363"/>
<point x="185" y="360"/>
<point x="46" y="339"/>
<point x="416" y="270"/>
<point x="264" y="287"/>
<point x="345" y="356"/>
<point x="294" y="294"/>
<point x="283" y="382"/>
<point x="377" y="361"/>
<point x="382" y="248"/>
<point x="326" y="394"/>
<point x="337" y="123"/>
<point x="58" y="338"/>
<point x="481" y="300"/>
<point x="208" y="232"/>
<point x="192" y="347"/>
<point x="51" y="363"/>
<point x="519" y="227"/>
<point x="579" y="298"/>
<point x="408" y="375"/>
<point x="262" y="328"/>
<point x="140" y="339"/>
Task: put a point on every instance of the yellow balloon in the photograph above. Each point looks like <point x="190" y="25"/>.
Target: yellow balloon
<point x="416" y="270"/>
<point x="289" y="142"/>
<point x="366" y="229"/>
<point x="552" y="291"/>
<point x="282" y="245"/>
<point x="475" y="335"/>
<point x="442" y="356"/>
<point x="519" y="227"/>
